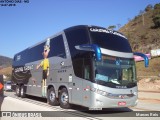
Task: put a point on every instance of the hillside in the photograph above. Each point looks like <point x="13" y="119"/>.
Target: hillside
<point x="5" y="62"/>
<point x="149" y="78"/>
<point x="6" y="71"/>
<point x="152" y="71"/>
<point x="142" y="32"/>
<point x="5" y="66"/>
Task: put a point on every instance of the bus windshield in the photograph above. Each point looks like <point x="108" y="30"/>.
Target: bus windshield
<point x="109" y="39"/>
<point x="115" y="72"/>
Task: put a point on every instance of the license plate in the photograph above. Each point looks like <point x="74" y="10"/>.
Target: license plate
<point x="8" y="87"/>
<point x="121" y="103"/>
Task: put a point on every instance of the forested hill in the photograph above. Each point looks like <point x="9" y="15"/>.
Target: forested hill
<point x="5" y="61"/>
<point x="143" y="31"/>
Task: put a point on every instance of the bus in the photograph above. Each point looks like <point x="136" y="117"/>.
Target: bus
<point x="90" y="66"/>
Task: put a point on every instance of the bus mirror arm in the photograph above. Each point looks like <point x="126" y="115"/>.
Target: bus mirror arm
<point x="146" y="60"/>
<point x="91" y="47"/>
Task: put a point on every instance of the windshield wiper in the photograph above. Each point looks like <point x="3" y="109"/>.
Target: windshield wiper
<point x="114" y="81"/>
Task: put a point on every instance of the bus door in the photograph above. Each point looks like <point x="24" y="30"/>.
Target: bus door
<point x="77" y="80"/>
<point x="86" y="82"/>
<point x="77" y="91"/>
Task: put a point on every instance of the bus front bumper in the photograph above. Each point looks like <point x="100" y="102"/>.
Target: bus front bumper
<point x="99" y="102"/>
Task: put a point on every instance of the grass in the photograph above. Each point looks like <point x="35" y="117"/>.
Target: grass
<point x="6" y="71"/>
<point x="152" y="70"/>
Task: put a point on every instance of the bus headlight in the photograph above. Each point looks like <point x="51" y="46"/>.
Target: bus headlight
<point x="102" y="92"/>
<point x="99" y="91"/>
<point x="135" y="93"/>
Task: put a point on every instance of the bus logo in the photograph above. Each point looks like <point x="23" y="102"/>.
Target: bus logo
<point x="18" y="57"/>
<point x="62" y="63"/>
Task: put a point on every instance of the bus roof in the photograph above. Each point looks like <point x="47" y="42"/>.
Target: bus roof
<point x="66" y="30"/>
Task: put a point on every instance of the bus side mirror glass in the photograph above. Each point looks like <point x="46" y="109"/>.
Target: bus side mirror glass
<point x="91" y="47"/>
<point x="146" y="60"/>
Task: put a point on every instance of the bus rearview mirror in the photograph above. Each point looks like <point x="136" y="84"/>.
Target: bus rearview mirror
<point x="146" y="60"/>
<point x="91" y="47"/>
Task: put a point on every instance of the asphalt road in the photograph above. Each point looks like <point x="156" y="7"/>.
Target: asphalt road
<point x="30" y="103"/>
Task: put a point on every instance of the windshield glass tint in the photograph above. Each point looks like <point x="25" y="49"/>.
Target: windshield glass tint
<point x="115" y="70"/>
<point x="109" y="39"/>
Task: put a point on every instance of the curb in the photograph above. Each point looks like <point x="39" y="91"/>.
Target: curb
<point x="149" y="91"/>
<point x="158" y="100"/>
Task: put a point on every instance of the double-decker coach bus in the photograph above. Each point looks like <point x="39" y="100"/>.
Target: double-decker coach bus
<point x="89" y="66"/>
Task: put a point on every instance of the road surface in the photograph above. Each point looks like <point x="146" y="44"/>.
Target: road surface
<point x="14" y="103"/>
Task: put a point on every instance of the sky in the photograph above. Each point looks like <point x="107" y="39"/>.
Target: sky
<point x="26" y="24"/>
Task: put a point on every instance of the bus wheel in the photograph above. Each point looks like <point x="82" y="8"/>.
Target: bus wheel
<point x="22" y="92"/>
<point x="64" y="99"/>
<point x="18" y="91"/>
<point x="51" y="97"/>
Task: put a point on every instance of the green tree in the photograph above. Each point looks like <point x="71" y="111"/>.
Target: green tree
<point x="157" y="6"/>
<point x="156" y="10"/>
<point x="112" y="27"/>
<point x="156" y="20"/>
<point x="156" y="15"/>
<point x="148" y="8"/>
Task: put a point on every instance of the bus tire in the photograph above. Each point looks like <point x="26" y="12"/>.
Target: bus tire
<point x="51" y="97"/>
<point x="64" y="99"/>
<point x="22" y="91"/>
<point x="18" y="90"/>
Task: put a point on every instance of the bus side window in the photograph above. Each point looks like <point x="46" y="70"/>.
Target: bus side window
<point x="57" y="47"/>
<point x="78" y="64"/>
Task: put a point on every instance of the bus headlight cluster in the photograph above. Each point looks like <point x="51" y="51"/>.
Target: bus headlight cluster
<point x="113" y="96"/>
<point x="102" y="92"/>
<point x="99" y="92"/>
<point x="135" y="93"/>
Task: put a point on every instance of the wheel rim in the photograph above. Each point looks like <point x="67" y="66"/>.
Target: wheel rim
<point x="17" y="90"/>
<point x="22" y="91"/>
<point x="64" y="98"/>
<point x="52" y="96"/>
